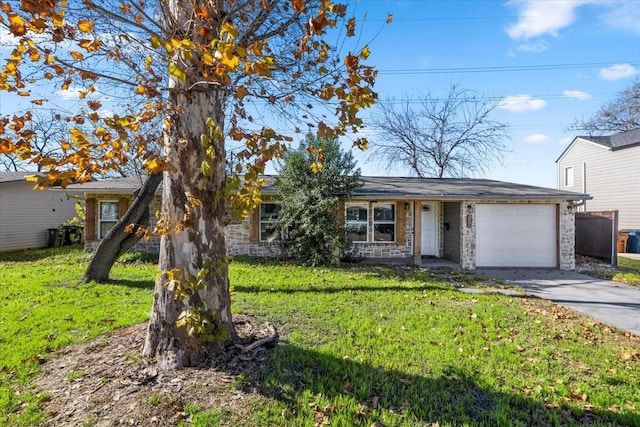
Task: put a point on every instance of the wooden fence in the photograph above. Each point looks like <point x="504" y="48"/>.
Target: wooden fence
<point x="596" y="235"/>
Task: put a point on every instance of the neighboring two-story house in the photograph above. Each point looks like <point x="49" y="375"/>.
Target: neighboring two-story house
<point x="608" y="169"/>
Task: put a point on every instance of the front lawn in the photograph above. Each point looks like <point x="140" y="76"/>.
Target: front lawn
<point x="370" y="346"/>
<point x="45" y="308"/>
<point x="628" y="271"/>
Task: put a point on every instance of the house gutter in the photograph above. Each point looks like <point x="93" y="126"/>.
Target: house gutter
<point x="391" y="196"/>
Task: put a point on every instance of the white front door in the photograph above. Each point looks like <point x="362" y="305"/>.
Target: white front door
<point x="428" y="222"/>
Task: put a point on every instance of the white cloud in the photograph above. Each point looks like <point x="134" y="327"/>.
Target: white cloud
<point x="577" y="94"/>
<point x="521" y="103"/>
<point x="618" y="71"/>
<point x="623" y="15"/>
<point x="533" y="47"/>
<point x="71" y="93"/>
<point x="538" y="18"/>
<point x="538" y="47"/>
<point x="537" y="138"/>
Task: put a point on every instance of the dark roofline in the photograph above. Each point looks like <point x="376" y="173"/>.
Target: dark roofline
<point x="400" y="188"/>
<point x="397" y="188"/>
<point x="15" y="176"/>
<point x="613" y="142"/>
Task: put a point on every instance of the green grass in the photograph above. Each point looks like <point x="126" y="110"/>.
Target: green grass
<point x="358" y="346"/>
<point x="407" y="349"/>
<point x="44" y="308"/>
<point x="628" y="271"/>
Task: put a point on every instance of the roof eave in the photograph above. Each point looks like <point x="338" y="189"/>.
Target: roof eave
<point x="391" y="196"/>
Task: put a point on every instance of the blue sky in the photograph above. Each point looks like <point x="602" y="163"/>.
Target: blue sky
<point x="548" y="61"/>
<point x="553" y="61"/>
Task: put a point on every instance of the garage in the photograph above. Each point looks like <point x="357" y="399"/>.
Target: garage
<point x="516" y="235"/>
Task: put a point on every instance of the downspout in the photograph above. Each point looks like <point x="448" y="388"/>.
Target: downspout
<point x="584" y="185"/>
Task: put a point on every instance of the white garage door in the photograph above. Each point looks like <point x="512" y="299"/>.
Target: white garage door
<point x="516" y="235"/>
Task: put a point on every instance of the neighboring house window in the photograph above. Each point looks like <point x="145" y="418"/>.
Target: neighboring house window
<point x="384" y="222"/>
<point x="357" y="221"/>
<point x="269" y="213"/>
<point x="108" y="217"/>
<point x="568" y="176"/>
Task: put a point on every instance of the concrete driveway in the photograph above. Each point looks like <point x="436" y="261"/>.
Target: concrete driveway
<point x="609" y="302"/>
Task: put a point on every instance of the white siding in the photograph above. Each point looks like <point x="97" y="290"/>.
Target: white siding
<point x="26" y="214"/>
<point x="612" y="178"/>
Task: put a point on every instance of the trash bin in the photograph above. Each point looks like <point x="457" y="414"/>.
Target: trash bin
<point x="55" y="238"/>
<point x="71" y="234"/>
<point x="633" y="243"/>
<point x="622" y="242"/>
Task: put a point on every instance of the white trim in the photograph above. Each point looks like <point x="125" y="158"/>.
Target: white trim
<point x="384" y="222"/>
<point x="568" y="176"/>
<point x="260" y="222"/>
<point x="575" y="141"/>
<point x="434" y="237"/>
<point x="360" y="222"/>
<point x="100" y="221"/>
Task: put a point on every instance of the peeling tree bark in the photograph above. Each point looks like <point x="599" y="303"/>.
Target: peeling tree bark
<point x="193" y="202"/>
<point x="200" y="243"/>
<point x="118" y="241"/>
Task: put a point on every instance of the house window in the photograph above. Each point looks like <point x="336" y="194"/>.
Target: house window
<point x="568" y="176"/>
<point x="108" y="217"/>
<point x="357" y="221"/>
<point x="384" y="222"/>
<point x="269" y="213"/>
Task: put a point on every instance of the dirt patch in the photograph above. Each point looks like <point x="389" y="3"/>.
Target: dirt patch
<point x="594" y="267"/>
<point x="107" y="383"/>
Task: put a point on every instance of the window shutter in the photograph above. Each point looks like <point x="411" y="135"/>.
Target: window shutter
<point x="400" y="223"/>
<point x="254" y="225"/>
<point x="90" y="220"/>
<point x="123" y="205"/>
<point x="341" y="214"/>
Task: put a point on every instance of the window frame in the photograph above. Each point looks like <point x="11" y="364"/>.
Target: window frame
<point x="375" y="222"/>
<point x="569" y="176"/>
<point x="261" y="221"/>
<point x="360" y="222"/>
<point x="106" y="221"/>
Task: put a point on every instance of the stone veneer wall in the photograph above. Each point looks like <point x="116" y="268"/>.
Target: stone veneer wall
<point x="566" y="230"/>
<point x="440" y="228"/>
<point x="239" y="243"/>
<point x="389" y="249"/>
<point x="467" y="235"/>
<point x="567" y="253"/>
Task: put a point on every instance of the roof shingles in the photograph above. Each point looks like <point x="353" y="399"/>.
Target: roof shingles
<point x="398" y="188"/>
<point x="616" y="141"/>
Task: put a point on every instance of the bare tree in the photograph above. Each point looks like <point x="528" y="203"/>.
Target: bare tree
<point x="620" y="115"/>
<point x="47" y="132"/>
<point x="433" y="137"/>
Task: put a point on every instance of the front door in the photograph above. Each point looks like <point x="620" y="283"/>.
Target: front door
<point x="428" y="222"/>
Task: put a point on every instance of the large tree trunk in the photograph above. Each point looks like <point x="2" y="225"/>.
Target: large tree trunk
<point x="189" y="322"/>
<point x="118" y="241"/>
